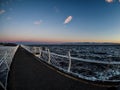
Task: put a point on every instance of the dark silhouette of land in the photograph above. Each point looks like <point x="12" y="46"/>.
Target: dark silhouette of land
<point x="27" y="73"/>
<point x="8" y="44"/>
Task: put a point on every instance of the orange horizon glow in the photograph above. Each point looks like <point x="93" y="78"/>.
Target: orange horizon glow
<point x="55" y="40"/>
<point x="25" y="38"/>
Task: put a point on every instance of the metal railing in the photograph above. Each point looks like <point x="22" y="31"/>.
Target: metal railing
<point x="5" y="63"/>
<point x="83" y="68"/>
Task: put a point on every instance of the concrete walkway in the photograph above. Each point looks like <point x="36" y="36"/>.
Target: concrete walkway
<point x="27" y="73"/>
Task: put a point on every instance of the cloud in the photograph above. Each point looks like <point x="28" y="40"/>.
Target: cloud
<point x="9" y="18"/>
<point x="68" y="19"/>
<point x="109" y="1"/>
<point x="2" y="11"/>
<point x="7" y="2"/>
<point x="56" y="9"/>
<point x="38" y="22"/>
<point x="10" y="9"/>
<point x="119" y="0"/>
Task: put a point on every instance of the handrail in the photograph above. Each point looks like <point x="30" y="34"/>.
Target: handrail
<point x="86" y="60"/>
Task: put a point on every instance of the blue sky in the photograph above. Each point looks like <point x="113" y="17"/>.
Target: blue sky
<point x="60" y="20"/>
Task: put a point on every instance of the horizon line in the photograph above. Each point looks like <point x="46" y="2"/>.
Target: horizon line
<point x="56" y="42"/>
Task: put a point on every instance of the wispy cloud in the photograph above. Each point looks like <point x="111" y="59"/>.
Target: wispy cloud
<point x="2" y="11"/>
<point x="56" y="9"/>
<point x="10" y="9"/>
<point x="119" y="0"/>
<point x="38" y="22"/>
<point x="9" y="18"/>
<point x="68" y="19"/>
<point x="7" y="2"/>
<point x="109" y="1"/>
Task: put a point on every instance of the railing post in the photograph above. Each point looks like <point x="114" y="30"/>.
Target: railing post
<point x="48" y="56"/>
<point x="33" y="50"/>
<point x="69" y="57"/>
<point x="40" y="51"/>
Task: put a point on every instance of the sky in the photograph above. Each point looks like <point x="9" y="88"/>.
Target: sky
<point x="60" y="21"/>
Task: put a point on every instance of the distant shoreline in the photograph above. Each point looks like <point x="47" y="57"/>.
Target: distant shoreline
<point x="62" y="44"/>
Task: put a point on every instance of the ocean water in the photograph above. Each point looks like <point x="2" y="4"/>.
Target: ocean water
<point x="93" y="52"/>
<point x="6" y="55"/>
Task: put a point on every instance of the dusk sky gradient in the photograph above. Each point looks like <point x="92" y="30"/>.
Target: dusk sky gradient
<point x="60" y="20"/>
